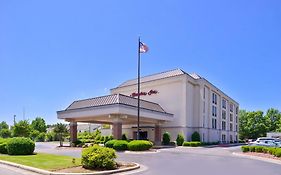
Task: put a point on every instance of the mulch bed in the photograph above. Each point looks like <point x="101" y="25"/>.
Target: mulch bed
<point x="80" y="169"/>
<point x="269" y="156"/>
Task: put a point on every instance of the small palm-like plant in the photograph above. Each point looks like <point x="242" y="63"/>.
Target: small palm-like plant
<point x="61" y="130"/>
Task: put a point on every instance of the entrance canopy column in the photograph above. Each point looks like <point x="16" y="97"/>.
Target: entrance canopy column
<point x="116" y="126"/>
<point x="157" y="134"/>
<point x="73" y="132"/>
<point x="117" y="130"/>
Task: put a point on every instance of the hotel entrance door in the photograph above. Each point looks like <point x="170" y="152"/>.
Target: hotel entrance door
<point x="143" y="135"/>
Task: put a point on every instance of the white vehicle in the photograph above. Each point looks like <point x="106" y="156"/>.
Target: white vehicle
<point x="264" y="141"/>
<point x="278" y="143"/>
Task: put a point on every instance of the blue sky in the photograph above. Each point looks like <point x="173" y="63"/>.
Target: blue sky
<point x="53" y="52"/>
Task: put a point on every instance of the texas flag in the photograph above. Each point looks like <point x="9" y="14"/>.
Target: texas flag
<point x="143" y="48"/>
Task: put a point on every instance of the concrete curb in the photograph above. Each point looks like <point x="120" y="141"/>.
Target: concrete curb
<point x="45" y="172"/>
<point x="258" y="158"/>
<point x="141" y="152"/>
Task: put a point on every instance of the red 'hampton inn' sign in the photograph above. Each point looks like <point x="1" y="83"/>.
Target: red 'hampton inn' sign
<point x="134" y="94"/>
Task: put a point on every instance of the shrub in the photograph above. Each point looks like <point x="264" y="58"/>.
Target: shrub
<point x="265" y="149"/>
<point x="41" y="137"/>
<point x="124" y="137"/>
<point x="3" y="148"/>
<point x="195" y="144"/>
<point x="252" y="148"/>
<point x="50" y="136"/>
<point x="271" y="151"/>
<point x="20" y="146"/>
<point x="278" y="152"/>
<point x="139" y="145"/>
<point x="195" y="137"/>
<point x="106" y="139"/>
<point x="192" y="144"/>
<point x="5" y="133"/>
<point x="186" y="144"/>
<point x="110" y="143"/>
<point x="97" y="157"/>
<point x="166" y="138"/>
<point x="102" y="138"/>
<point x="258" y="149"/>
<point x="75" y="143"/>
<point x="34" y="134"/>
<point x="120" y="145"/>
<point x="180" y="139"/>
<point x="98" y="137"/>
<point x="245" y="149"/>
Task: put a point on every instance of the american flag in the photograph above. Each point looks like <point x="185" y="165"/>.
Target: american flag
<point x="143" y="48"/>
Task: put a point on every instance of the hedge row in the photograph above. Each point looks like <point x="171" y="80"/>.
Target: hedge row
<point x="136" y="145"/>
<point x="98" y="140"/>
<point x="192" y="144"/>
<point x="17" y="146"/>
<point x="262" y="149"/>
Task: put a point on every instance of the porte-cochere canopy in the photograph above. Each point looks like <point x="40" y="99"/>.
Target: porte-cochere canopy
<point x="106" y="109"/>
<point x="116" y="109"/>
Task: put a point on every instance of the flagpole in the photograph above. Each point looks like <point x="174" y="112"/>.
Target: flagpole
<point x="138" y="131"/>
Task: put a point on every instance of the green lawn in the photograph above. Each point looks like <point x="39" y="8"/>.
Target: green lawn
<point x="43" y="161"/>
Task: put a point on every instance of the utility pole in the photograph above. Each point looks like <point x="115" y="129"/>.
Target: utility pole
<point x="14" y="120"/>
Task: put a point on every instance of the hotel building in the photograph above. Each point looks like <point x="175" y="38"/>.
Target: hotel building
<point x="172" y="101"/>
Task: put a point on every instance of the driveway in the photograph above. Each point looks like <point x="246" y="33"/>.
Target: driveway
<point x="8" y="170"/>
<point x="184" y="160"/>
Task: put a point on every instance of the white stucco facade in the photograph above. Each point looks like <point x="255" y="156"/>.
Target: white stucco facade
<point x="173" y="101"/>
<point x="190" y="99"/>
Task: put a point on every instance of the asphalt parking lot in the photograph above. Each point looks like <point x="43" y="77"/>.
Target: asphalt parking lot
<point x="183" y="160"/>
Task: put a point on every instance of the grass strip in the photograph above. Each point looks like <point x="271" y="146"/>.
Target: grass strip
<point x="44" y="161"/>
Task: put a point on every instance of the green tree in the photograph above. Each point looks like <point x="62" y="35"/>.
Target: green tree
<point x="62" y="131"/>
<point x="166" y="138"/>
<point x="39" y="124"/>
<point x="195" y="137"/>
<point x="279" y="126"/>
<point x="5" y="133"/>
<point x="34" y="134"/>
<point x="180" y="139"/>
<point x="272" y="118"/>
<point x="22" y="129"/>
<point x="4" y="125"/>
<point x="124" y="137"/>
<point x="252" y="124"/>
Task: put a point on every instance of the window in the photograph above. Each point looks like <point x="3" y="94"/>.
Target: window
<point x="214" y="123"/>
<point x="231" y="107"/>
<point x="204" y="93"/>
<point x="223" y="103"/>
<point x="231" y="139"/>
<point x="236" y="119"/>
<point x="236" y="128"/>
<point x="203" y="122"/>
<point x="214" y="98"/>
<point x="203" y="137"/>
<point x="204" y="107"/>
<point x="214" y="111"/>
<point x="223" y="137"/>
<point x="231" y="117"/>
<point x="223" y="114"/>
<point x="231" y="127"/>
<point x="237" y="110"/>
<point x="223" y="125"/>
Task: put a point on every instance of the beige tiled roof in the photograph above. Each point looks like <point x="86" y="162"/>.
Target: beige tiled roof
<point x="170" y="73"/>
<point x="115" y="99"/>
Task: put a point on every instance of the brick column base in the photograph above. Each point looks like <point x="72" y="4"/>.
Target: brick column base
<point x="157" y="135"/>
<point x="117" y="130"/>
<point x="73" y="132"/>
